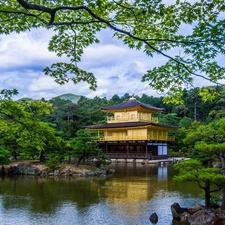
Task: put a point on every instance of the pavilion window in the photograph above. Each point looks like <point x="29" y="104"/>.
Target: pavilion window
<point x="132" y="116"/>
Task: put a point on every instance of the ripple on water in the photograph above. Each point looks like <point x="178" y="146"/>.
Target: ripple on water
<point x="102" y="213"/>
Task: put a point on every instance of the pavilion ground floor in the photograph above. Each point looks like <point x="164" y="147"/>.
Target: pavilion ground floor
<point x="135" y="149"/>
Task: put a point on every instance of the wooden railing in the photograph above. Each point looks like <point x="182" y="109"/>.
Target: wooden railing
<point x="134" y="156"/>
<point x="139" y="138"/>
<point x="124" y="155"/>
<point x="142" y="118"/>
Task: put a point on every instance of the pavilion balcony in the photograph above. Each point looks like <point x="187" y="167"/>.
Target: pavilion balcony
<point x="136" y="138"/>
<point x="132" y="118"/>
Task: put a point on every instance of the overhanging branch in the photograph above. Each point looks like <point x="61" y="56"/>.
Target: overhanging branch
<point x="52" y="12"/>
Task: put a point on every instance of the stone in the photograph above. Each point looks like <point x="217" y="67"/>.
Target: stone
<point x="102" y="176"/>
<point x="177" y="211"/>
<point x="154" y="218"/>
<point x="56" y="173"/>
<point x="199" y="215"/>
<point x="202" y="217"/>
<point x="32" y="171"/>
<point x="67" y="172"/>
<point x="99" y="171"/>
<point x="184" y="217"/>
<point x="89" y="173"/>
<point x="43" y="173"/>
<point x="13" y="170"/>
<point x="27" y="169"/>
<point x="23" y="166"/>
<point x="110" y="171"/>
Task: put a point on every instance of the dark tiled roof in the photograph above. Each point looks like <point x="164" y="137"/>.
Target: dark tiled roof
<point x="131" y="103"/>
<point x="128" y="124"/>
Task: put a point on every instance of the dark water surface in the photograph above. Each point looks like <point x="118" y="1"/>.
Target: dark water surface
<point x="128" y="197"/>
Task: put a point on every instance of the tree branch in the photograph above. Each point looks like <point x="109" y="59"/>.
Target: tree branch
<point x="53" y="11"/>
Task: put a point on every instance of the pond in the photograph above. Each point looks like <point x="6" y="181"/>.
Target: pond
<point x="128" y="197"/>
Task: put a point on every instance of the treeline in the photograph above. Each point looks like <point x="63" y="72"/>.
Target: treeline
<point x="87" y="111"/>
<point x="69" y="117"/>
<point x="36" y="129"/>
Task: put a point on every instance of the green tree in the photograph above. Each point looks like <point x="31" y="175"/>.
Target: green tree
<point x="208" y="142"/>
<point x="4" y="155"/>
<point x="103" y="160"/>
<point x="169" y="119"/>
<point x="209" y="179"/>
<point x="153" y="27"/>
<point x="21" y="125"/>
<point x="64" y="117"/>
<point x="84" y="145"/>
<point x="185" y="122"/>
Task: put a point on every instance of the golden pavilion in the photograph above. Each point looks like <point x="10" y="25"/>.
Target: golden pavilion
<point x="132" y="132"/>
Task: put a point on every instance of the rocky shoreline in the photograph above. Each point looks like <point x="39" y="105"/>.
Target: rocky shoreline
<point x="199" y="215"/>
<point x="38" y="169"/>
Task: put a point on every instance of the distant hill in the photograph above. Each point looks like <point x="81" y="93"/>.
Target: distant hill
<point x="25" y="99"/>
<point x="73" y="98"/>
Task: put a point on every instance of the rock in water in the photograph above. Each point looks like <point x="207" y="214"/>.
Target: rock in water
<point x="153" y="218"/>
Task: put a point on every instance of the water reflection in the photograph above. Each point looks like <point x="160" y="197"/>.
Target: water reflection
<point x="128" y="197"/>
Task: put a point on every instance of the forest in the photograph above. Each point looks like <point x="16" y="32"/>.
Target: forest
<point x="41" y="129"/>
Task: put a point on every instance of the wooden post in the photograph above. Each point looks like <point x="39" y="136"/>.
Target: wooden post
<point x="106" y="148"/>
<point x="146" y="148"/>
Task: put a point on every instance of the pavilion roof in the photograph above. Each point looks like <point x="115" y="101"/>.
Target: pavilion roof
<point x="128" y="124"/>
<point x="131" y="103"/>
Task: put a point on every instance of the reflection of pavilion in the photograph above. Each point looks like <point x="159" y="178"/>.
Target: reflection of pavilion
<point x="139" y="189"/>
<point x="162" y="173"/>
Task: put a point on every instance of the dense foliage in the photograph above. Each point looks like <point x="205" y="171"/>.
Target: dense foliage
<point x="38" y="129"/>
<point x="84" y="145"/>
<point x="154" y="27"/>
<point x="209" y="179"/>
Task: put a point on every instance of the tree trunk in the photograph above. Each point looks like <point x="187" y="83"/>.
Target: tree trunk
<point x="223" y="199"/>
<point x="79" y="160"/>
<point x="42" y="157"/>
<point x="14" y="155"/>
<point x="207" y="193"/>
<point x="223" y="171"/>
<point x="3" y="170"/>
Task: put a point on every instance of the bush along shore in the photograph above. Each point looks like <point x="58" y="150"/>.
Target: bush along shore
<point x="38" y="169"/>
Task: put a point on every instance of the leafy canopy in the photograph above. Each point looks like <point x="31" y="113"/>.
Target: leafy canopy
<point x="209" y="179"/>
<point x="22" y="122"/>
<point x="84" y="145"/>
<point x="207" y="140"/>
<point x="193" y="170"/>
<point x="151" y="26"/>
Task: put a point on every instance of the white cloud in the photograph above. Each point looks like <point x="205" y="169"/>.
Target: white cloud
<point x="117" y="68"/>
<point x="43" y="83"/>
<point x="25" y="50"/>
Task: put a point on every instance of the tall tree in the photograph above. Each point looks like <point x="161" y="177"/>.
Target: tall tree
<point x="209" y="144"/>
<point x="154" y="27"/>
<point x="209" y="179"/>
<point x="21" y="125"/>
<point x="84" y="145"/>
<point x="64" y="117"/>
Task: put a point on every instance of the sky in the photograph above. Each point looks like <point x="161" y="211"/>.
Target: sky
<point x="117" y="68"/>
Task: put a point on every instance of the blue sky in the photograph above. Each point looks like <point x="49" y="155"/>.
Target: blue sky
<point x="117" y="68"/>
